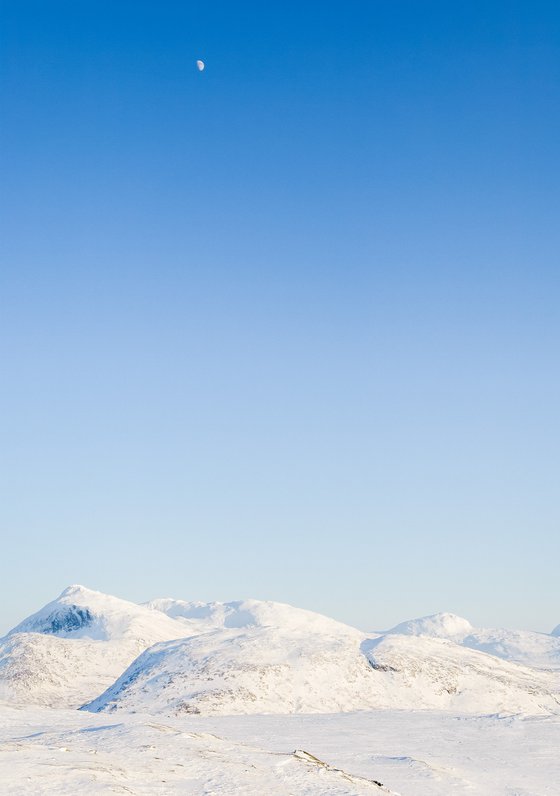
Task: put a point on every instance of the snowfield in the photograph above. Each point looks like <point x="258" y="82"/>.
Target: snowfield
<point x="254" y="697"/>
<point x="412" y="753"/>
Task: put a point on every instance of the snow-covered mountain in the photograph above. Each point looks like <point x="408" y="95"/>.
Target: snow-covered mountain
<point x="538" y="650"/>
<point x="172" y="656"/>
<point x="255" y="657"/>
<point x="265" y="658"/>
<point x="83" y="613"/>
<point x="75" y="646"/>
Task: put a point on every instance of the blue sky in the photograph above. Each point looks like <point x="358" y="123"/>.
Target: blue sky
<point x="287" y="328"/>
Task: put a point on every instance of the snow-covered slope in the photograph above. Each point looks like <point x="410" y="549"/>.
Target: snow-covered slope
<point x="538" y="650"/>
<point x="436" y="673"/>
<point x="412" y="753"/>
<point x="271" y="658"/>
<point x="263" y="658"/>
<point x="77" y="645"/>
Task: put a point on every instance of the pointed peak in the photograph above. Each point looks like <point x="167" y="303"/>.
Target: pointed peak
<point x="76" y="589"/>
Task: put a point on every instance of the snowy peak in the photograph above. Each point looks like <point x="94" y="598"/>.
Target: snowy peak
<point x="83" y="613"/>
<point x="76" y="645"/>
<point x="75" y="612"/>
<point x="76" y="590"/>
<point x="444" y="625"/>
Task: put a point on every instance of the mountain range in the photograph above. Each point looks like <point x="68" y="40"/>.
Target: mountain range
<point x="98" y="652"/>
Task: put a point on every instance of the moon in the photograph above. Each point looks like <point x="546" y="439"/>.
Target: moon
<point x="200" y="65"/>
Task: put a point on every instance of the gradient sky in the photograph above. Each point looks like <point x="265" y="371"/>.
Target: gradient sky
<point x="288" y="328"/>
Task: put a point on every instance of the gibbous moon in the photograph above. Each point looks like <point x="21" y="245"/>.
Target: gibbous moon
<point x="200" y="65"/>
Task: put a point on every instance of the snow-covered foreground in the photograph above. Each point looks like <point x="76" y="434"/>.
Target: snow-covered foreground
<point x="412" y="753"/>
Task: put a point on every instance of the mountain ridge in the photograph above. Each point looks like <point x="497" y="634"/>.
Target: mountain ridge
<point x="168" y="655"/>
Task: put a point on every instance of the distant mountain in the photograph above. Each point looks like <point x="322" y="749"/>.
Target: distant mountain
<point x="538" y="650"/>
<point x="77" y="645"/>
<point x="444" y="625"/>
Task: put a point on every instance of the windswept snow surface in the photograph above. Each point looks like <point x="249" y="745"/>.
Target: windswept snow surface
<point x="423" y="753"/>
